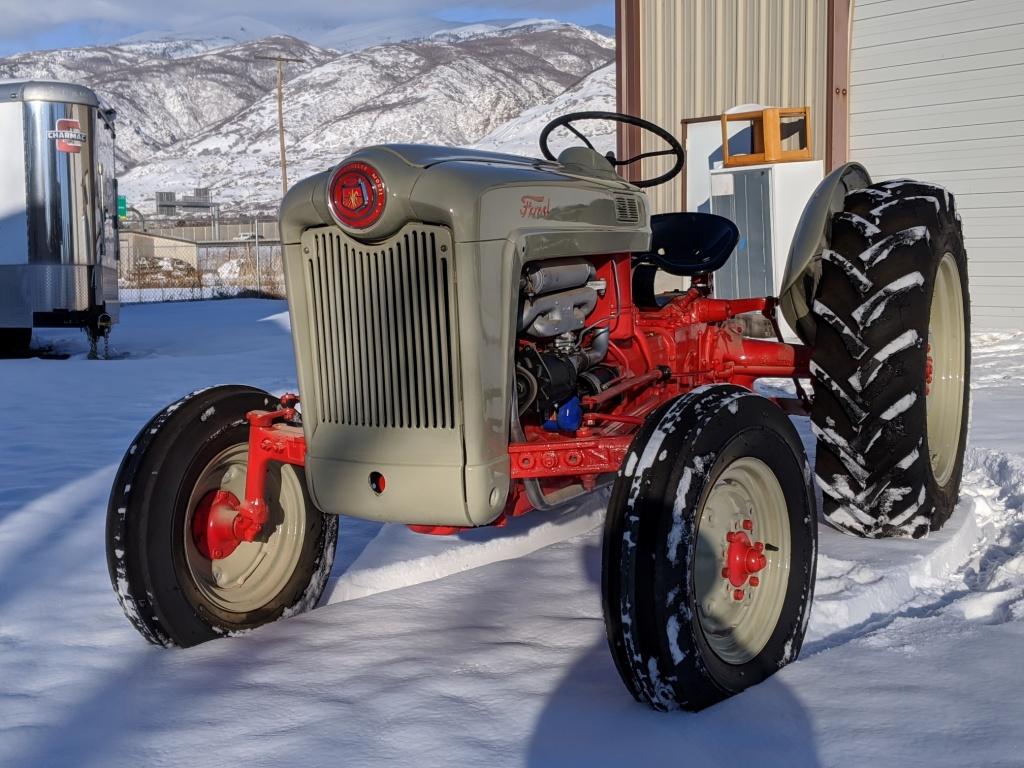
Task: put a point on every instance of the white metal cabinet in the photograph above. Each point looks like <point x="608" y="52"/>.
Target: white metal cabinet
<point x="765" y="202"/>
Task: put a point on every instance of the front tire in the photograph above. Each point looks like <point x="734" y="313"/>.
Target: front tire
<point x="170" y="587"/>
<point x="709" y="550"/>
<point x="891" y="361"/>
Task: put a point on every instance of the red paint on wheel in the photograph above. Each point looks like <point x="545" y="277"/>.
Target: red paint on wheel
<point x="743" y="558"/>
<point x="213" y="525"/>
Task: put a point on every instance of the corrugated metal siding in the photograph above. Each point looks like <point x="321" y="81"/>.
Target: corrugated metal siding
<point x="937" y="93"/>
<point x="701" y="57"/>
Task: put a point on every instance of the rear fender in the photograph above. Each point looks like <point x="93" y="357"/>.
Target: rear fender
<point x="813" y="233"/>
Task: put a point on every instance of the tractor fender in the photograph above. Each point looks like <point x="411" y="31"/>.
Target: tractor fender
<point x="813" y="233"/>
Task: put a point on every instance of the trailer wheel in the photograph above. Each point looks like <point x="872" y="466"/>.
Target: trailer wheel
<point x="891" y="361"/>
<point x="14" y="342"/>
<point x="709" y="550"/>
<point x="171" y="587"/>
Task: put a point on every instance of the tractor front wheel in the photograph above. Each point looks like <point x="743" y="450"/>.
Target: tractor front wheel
<point x="174" y="584"/>
<point x="709" y="550"/>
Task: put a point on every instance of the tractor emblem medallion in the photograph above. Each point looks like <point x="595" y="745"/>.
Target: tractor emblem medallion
<point x="357" y="195"/>
<point x="353" y="197"/>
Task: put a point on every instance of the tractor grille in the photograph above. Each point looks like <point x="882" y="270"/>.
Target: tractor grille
<point x="382" y="324"/>
<point x="627" y="210"/>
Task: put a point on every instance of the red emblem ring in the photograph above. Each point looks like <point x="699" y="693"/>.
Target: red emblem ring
<point x="357" y="195"/>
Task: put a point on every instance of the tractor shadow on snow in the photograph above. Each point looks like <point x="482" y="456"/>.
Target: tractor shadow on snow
<point x="590" y="719"/>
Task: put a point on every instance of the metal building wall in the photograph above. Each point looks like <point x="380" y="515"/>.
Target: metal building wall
<point x="937" y="93"/>
<point x="701" y="57"/>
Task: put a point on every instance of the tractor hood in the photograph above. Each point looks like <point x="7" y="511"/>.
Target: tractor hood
<point x="480" y="196"/>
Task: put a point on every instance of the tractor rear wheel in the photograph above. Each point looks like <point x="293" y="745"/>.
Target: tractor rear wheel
<point x="175" y="588"/>
<point x="709" y="550"/>
<point x="891" y="361"/>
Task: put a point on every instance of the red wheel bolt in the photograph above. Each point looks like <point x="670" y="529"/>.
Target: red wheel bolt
<point x="759" y="546"/>
<point x="725" y="573"/>
<point x="755" y="562"/>
<point x="738" y="594"/>
<point x="748" y="525"/>
<point x="731" y="536"/>
<point x="754" y="581"/>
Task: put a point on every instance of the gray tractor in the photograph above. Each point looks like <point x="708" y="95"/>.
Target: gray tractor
<point x="478" y="336"/>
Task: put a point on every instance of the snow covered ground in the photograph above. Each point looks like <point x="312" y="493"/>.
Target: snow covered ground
<point x="483" y="650"/>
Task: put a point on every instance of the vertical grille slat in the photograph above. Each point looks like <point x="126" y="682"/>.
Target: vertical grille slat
<point x="344" y="357"/>
<point x="411" y="318"/>
<point x="360" y="374"/>
<point x="312" y="289"/>
<point x="382" y="331"/>
<point x="325" y="321"/>
<point x="335" y="332"/>
<point x="431" y="289"/>
<point x="444" y="374"/>
<point x="425" y="350"/>
<point x="386" y="337"/>
<point x="380" y="349"/>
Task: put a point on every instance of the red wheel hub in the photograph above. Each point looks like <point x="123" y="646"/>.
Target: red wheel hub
<point x="929" y="371"/>
<point x="744" y="558"/>
<point x="214" y="525"/>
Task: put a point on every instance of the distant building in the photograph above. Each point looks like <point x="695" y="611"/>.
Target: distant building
<point x="141" y="250"/>
<point x="200" y="201"/>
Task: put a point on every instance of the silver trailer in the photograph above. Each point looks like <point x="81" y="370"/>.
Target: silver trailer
<point x="58" y="211"/>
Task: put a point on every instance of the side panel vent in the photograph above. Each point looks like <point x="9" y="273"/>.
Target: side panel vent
<point x="383" y="331"/>
<point x="627" y="210"/>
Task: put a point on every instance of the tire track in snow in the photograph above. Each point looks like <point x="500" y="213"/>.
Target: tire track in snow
<point x="975" y="566"/>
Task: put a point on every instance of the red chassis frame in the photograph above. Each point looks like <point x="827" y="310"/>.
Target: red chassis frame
<point x="660" y="353"/>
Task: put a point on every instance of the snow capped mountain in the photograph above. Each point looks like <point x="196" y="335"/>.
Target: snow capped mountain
<point x="163" y="94"/>
<point x="437" y="91"/>
<point x="208" y="116"/>
<point x="520" y="136"/>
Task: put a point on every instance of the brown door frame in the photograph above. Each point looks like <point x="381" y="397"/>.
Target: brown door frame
<point x="837" y="100"/>
<point x="684" y="134"/>
<point x="837" y="104"/>
<point x="627" y="76"/>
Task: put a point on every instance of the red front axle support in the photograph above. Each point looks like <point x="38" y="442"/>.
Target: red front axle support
<point x="221" y="522"/>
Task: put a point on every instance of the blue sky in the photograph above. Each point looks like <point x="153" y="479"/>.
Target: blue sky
<point x="32" y="26"/>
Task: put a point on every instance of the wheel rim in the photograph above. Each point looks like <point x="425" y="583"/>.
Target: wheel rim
<point x="255" y="572"/>
<point x="944" y="385"/>
<point x="739" y="607"/>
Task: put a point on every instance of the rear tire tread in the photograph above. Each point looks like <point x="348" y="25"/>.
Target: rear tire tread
<point x="869" y="355"/>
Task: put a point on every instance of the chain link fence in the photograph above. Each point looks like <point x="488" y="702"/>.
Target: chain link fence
<point x="159" y="268"/>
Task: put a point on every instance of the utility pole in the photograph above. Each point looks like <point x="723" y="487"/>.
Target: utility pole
<point x="280" y="113"/>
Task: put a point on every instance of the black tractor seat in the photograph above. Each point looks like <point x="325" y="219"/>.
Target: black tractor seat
<point x="687" y="244"/>
<point x="683" y="244"/>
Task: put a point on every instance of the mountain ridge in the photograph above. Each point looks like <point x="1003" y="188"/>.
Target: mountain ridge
<point x="190" y="115"/>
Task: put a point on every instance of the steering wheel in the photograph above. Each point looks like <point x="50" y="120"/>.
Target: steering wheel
<point x="675" y="148"/>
